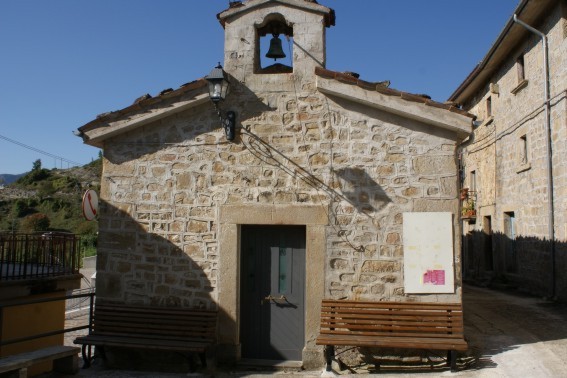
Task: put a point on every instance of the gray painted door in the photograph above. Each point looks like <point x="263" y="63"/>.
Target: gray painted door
<point x="272" y="292"/>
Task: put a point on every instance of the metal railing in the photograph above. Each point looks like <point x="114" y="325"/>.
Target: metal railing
<point x="47" y="254"/>
<point x="89" y="296"/>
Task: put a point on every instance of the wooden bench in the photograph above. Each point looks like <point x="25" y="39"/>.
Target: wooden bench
<point x="407" y="325"/>
<point x="65" y="360"/>
<point x="181" y="330"/>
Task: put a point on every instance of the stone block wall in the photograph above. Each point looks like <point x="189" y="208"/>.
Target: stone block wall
<point x="508" y="183"/>
<point x="163" y="186"/>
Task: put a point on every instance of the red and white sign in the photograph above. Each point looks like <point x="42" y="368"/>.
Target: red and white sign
<point x="90" y="205"/>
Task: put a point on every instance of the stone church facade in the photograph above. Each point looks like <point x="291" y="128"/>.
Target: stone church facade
<point x="332" y="159"/>
<point x="514" y="161"/>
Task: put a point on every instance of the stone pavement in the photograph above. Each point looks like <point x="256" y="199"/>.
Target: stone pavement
<point x="510" y="335"/>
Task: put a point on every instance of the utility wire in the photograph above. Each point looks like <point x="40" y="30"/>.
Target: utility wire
<point x="40" y="151"/>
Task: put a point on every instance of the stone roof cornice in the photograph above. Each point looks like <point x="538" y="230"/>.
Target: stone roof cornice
<point x="144" y="110"/>
<point x="405" y="104"/>
<point x="238" y="8"/>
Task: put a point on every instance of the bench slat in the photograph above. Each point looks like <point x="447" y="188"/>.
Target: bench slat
<point x="385" y="312"/>
<point x="144" y="343"/>
<point x="121" y="307"/>
<point x="391" y="334"/>
<point x="109" y="319"/>
<point x="391" y="328"/>
<point x="102" y="324"/>
<point x="385" y="304"/>
<point x="208" y="338"/>
<point x="393" y="331"/>
<point x="395" y="342"/>
<point x="390" y="320"/>
<point x="157" y="318"/>
<point x="156" y="335"/>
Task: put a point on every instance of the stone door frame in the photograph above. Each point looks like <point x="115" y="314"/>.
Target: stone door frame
<point x="315" y="220"/>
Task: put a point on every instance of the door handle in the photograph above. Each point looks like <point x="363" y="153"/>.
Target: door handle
<point x="270" y="298"/>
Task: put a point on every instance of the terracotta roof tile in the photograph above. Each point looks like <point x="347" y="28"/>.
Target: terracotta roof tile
<point x="142" y="98"/>
<point x="144" y="101"/>
<point x="382" y="87"/>
<point x="344" y="78"/>
<point x="235" y="4"/>
<point x="165" y="91"/>
<point x="325" y="73"/>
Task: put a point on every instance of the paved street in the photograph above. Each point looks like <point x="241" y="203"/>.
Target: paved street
<point x="513" y="335"/>
<point x="510" y="335"/>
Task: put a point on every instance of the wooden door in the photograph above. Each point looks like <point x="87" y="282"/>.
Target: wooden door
<point x="272" y="292"/>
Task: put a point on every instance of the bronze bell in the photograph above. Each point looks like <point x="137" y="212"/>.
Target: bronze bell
<point x="275" y="50"/>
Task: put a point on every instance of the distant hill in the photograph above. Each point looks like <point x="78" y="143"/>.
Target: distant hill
<point x="6" y="178"/>
<point x="50" y="200"/>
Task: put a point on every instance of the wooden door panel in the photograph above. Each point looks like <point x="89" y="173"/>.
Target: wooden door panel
<point x="272" y="292"/>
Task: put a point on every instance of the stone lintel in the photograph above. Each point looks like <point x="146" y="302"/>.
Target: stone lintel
<point x="274" y="214"/>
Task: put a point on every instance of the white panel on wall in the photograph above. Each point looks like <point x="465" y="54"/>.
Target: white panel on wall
<point x="428" y="253"/>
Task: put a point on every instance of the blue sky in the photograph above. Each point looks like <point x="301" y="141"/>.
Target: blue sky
<point x="65" y="61"/>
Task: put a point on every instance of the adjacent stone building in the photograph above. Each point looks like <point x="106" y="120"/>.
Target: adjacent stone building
<point x="306" y="202"/>
<point x="514" y="163"/>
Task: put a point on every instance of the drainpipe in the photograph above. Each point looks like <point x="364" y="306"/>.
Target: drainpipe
<point x="547" y="106"/>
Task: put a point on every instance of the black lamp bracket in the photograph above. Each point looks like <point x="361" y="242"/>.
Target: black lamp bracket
<point x="228" y="122"/>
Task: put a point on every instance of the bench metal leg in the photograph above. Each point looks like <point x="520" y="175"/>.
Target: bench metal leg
<point x="191" y="361"/>
<point x="452" y="360"/>
<point x="86" y="352"/>
<point x="203" y="357"/>
<point x="329" y="354"/>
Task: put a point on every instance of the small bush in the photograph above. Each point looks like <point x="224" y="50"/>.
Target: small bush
<point x="35" y="222"/>
<point x="46" y="189"/>
<point x="88" y="232"/>
<point x="34" y="176"/>
<point x="21" y="208"/>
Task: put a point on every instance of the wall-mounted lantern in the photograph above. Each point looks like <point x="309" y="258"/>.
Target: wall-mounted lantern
<point x="219" y="87"/>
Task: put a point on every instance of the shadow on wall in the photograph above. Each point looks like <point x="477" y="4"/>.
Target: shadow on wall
<point x="191" y="130"/>
<point x="356" y="186"/>
<point x="524" y="263"/>
<point x="144" y="263"/>
<point x="359" y="188"/>
<point x="188" y="135"/>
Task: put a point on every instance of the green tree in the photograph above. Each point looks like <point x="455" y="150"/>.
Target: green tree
<point x="20" y="208"/>
<point x="36" y="165"/>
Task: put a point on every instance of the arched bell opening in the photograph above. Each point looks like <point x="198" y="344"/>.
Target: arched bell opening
<point x="274" y="48"/>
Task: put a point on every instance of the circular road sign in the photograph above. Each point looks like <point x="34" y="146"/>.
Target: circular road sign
<point x="90" y="205"/>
